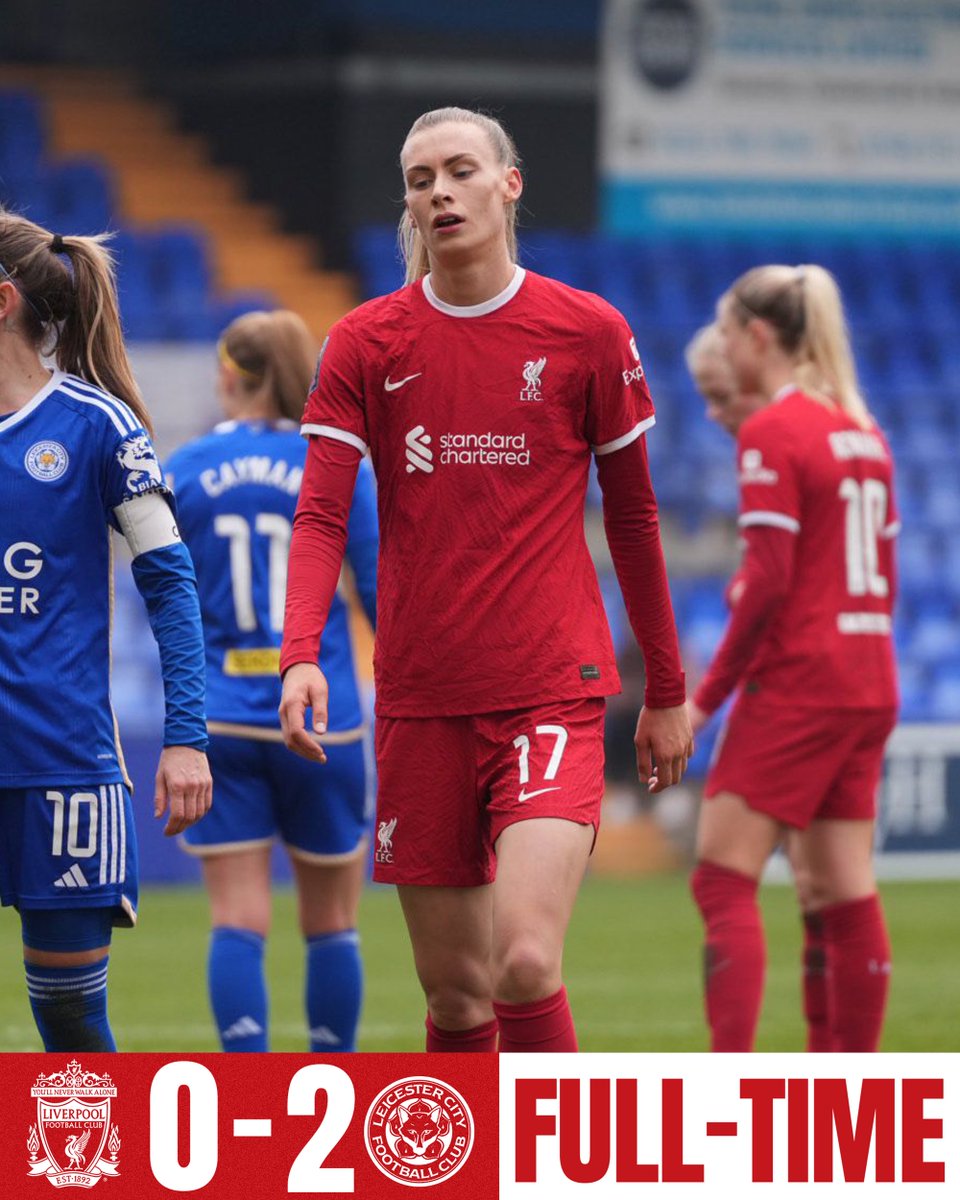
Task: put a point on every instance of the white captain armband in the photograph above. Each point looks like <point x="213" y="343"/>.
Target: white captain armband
<point x="147" y="522"/>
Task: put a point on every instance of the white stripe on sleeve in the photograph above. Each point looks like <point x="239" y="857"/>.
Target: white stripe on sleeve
<point x="777" y="520"/>
<point x="79" y="387"/>
<point x="119" y="423"/>
<point x="626" y="439"/>
<point x="338" y="435"/>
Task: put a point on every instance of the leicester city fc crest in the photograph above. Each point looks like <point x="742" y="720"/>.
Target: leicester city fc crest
<point x="73" y="1142"/>
<point x="419" y="1131"/>
<point x="46" y="460"/>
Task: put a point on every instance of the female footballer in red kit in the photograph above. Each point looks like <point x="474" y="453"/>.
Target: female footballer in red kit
<point x="481" y="391"/>
<point x="729" y="407"/>
<point x="809" y="647"/>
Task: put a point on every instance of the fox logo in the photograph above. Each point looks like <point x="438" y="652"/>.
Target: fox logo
<point x="418" y="1128"/>
<point x="419" y="1131"/>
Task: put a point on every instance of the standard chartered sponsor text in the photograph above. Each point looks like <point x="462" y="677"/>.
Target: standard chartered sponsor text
<point x="487" y="449"/>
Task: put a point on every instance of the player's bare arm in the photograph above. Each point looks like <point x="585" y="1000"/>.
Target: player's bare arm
<point x="304" y="686"/>
<point x="184" y="786"/>
<point x="698" y="718"/>
<point x="664" y="742"/>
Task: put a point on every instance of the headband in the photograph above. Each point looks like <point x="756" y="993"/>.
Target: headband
<point x="229" y="361"/>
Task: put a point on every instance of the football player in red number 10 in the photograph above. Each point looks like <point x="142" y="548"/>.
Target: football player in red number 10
<point x="809" y="647"/>
<point x="481" y="391"/>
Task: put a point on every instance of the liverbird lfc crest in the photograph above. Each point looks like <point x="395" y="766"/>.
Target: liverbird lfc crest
<point x="73" y="1143"/>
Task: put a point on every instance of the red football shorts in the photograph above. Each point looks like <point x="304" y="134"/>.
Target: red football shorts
<point x="447" y="787"/>
<point x="801" y="764"/>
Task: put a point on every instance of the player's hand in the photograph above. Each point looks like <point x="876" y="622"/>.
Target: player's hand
<point x="664" y="742"/>
<point x="698" y="718"/>
<point x="183" y="785"/>
<point x="304" y="686"/>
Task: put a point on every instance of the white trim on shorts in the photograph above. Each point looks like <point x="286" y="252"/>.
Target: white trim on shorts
<point x="322" y="860"/>
<point x="219" y="848"/>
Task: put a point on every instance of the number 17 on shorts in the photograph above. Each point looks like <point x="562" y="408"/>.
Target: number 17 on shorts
<point x="449" y="786"/>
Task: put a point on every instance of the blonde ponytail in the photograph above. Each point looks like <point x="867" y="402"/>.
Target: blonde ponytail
<point x="804" y="307"/>
<point x="827" y="342"/>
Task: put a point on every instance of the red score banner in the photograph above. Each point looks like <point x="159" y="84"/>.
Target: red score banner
<point x="479" y="1127"/>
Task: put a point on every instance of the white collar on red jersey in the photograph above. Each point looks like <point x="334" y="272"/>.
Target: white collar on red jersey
<point x="475" y="310"/>
<point x="782" y="393"/>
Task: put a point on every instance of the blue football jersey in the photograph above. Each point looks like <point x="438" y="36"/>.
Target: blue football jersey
<point x="68" y="460"/>
<point x="237" y="491"/>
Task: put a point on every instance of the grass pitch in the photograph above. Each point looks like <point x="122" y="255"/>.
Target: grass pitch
<point x="632" y="971"/>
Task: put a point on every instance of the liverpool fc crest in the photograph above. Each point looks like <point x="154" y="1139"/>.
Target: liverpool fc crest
<point x="73" y="1142"/>
<point x="531" y="374"/>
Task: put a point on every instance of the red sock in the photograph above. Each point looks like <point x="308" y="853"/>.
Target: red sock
<point x="541" y="1025"/>
<point x="482" y="1039"/>
<point x="734" y="954"/>
<point x="816" y="1006"/>
<point x="858" y="971"/>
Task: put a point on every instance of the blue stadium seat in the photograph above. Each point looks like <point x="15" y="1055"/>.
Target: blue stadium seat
<point x="945" y="691"/>
<point x="182" y="282"/>
<point x="703" y="620"/>
<point x="181" y="267"/>
<point x="914" y="692"/>
<point x="81" y="196"/>
<point x="562" y="256"/>
<point x="934" y="636"/>
<point x="376" y="255"/>
<point x="235" y="304"/>
<point x="22" y="137"/>
<point x="138" y="300"/>
<point x="919" y="554"/>
<point x="942" y="506"/>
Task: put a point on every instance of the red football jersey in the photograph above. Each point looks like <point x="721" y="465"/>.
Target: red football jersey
<point x="813" y="471"/>
<point x="480" y="422"/>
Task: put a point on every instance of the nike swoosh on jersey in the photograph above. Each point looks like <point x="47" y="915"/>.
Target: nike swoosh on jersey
<point x="539" y="792"/>
<point x="388" y="386"/>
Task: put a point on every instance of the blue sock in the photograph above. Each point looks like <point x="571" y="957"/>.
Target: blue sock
<point x="334" y="990"/>
<point x="70" y="1006"/>
<point x="238" y="990"/>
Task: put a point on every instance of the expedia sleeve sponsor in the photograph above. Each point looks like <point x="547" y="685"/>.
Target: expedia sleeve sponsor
<point x="618" y="399"/>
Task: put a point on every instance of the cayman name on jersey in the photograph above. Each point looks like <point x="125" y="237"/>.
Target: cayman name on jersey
<point x="21" y="561"/>
<point x="252" y="468"/>
<point x="466" y="449"/>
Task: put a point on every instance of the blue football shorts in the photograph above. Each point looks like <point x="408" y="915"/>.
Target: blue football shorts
<point x="261" y="790"/>
<point x="69" y="847"/>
